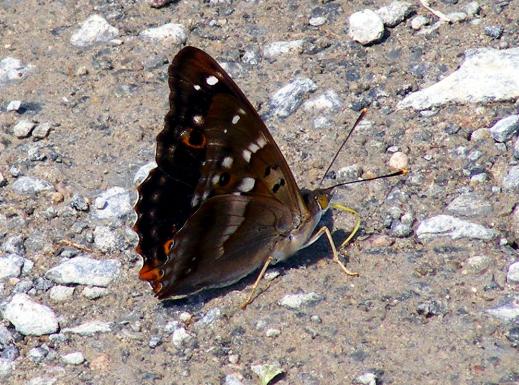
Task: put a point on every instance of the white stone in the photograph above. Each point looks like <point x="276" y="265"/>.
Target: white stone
<point x="317" y="21"/>
<point x="6" y="368"/>
<point x="449" y="226"/>
<point x="180" y="337"/>
<point x="23" y="128"/>
<point x="30" y="317"/>
<point x="11" y="266"/>
<point x="470" y="205"/>
<point x="12" y="69"/>
<point x="277" y="48"/>
<point x="296" y="301"/>
<point x="61" y="293"/>
<point x="41" y="130"/>
<point x="90" y="328"/>
<point x="508" y="311"/>
<point x="94" y="292"/>
<point x="105" y="239"/>
<point x="327" y="102"/>
<point x="173" y="33"/>
<point x="366" y="26"/>
<point x="399" y="161"/>
<point x="75" y="358"/>
<point x="505" y="128"/>
<point x="85" y="271"/>
<point x="93" y="30"/>
<point x="477" y="264"/>
<point x="113" y="203"/>
<point x="418" y="22"/>
<point x="14" y="105"/>
<point x="394" y="13"/>
<point x="513" y="273"/>
<point x="472" y="8"/>
<point x="486" y="76"/>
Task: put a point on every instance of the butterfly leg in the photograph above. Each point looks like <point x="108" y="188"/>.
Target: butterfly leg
<point x="253" y="291"/>
<point x="324" y="230"/>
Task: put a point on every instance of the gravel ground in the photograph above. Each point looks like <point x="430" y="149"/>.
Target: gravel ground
<point x="436" y="301"/>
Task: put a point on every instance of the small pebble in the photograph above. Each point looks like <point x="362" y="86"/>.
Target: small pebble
<point x="95" y="292"/>
<point x="394" y="13"/>
<point x="272" y="332"/>
<point x="277" y="48"/>
<point x="61" y="293"/>
<point x="287" y="99"/>
<point x="477" y="264"/>
<point x="171" y="32"/>
<point x="418" y="22"/>
<point x="95" y="29"/>
<point x="399" y="161"/>
<point x="89" y="328"/>
<point x="23" y="128"/>
<point x="181" y="337"/>
<point x="505" y="128"/>
<point x="472" y="8"/>
<point x="41" y="131"/>
<point x="30" y="317"/>
<point x="366" y="27"/>
<point x="296" y="301"/>
<point x="512" y="276"/>
<point x="75" y="358"/>
<point x="14" y="105"/>
<point x="185" y="317"/>
<point x="494" y="31"/>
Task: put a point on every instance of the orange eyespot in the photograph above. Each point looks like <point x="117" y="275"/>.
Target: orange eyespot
<point x="193" y="138"/>
<point x="167" y="246"/>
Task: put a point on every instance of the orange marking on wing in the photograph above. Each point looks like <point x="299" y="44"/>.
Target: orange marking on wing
<point x="167" y="246"/>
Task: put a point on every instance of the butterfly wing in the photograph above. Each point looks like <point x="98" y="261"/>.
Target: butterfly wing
<point x="217" y="164"/>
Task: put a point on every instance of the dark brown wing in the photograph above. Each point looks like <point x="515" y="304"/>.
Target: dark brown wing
<point x="213" y="144"/>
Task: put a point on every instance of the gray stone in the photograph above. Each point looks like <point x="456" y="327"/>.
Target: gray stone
<point x="38" y="354"/>
<point x="486" y="76"/>
<point x="90" y="328"/>
<point x="457" y="17"/>
<point x="11" y="266"/>
<point x="327" y="102"/>
<point x="14" y="245"/>
<point x="6" y="368"/>
<point x="494" y="31"/>
<point x="418" y="22"/>
<point x="61" y="293"/>
<point x="449" y="226"/>
<point x="75" y="358"/>
<point x="12" y="69"/>
<point x="296" y="301"/>
<point x="513" y="273"/>
<point x="29" y="317"/>
<point x="84" y="270"/>
<point x="470" y="205"/>
<point x="511" y="179"/>
<point x="233" y="379"/>
<point x="401" y="230"/>
<point x="113" y="203"/>
<point x="277" y="48"/>
<point x="505" y="128"/>
<point x="29" y="185"/>
<point x="79" y="203"/>
<point x="515" y="150"/>
<point x="267" y="372"/>
<point x="288" y="99"/>
<point x="171" y="32"/>
<point x="95" y="292"/>
<point x="6" y="337"/>
<point x="508" y="311"/>
<point x="394" y="13"/>
<point x="143" y="171"/>
<point x="366" y="379"/>
<point x="317" y="21"/>
<point x="93" y="30"/>
<point x="41" y="131"/>
<point x="23" y="128"/>
<point x="477" y="264"/>
<point x="366" y="27"/>
<point x="210" y="317"/>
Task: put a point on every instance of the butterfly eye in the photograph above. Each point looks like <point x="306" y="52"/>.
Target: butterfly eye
<point x="193" y="138"/>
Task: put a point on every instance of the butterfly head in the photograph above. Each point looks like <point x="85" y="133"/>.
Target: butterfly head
<point x="317" y="201"/>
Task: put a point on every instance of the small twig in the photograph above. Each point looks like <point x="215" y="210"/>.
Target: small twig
<point x="441" y="15"/>
<point x="69" y="243"/>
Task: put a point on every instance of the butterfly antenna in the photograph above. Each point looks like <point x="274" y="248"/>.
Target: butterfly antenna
<point x="403" y="171"/>
<point x="361" y="116"/>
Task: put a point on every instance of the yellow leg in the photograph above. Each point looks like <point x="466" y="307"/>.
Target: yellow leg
<point x="253" y="291"/>
<point x="356" y="227"/>
<point x="326" y="231"/>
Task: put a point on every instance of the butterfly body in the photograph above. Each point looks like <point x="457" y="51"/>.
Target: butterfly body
<point x="222" y="199"/>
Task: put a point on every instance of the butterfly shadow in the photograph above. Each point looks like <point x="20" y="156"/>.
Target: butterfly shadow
<point x="304" y="257"/>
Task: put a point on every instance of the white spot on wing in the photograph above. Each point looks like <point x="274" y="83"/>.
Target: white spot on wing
<point x="227" y="162"/>
<point x="205" y="195"/>
<point x="211" y="80"/>
<point x="198" y="119"/>
<point x="261" y="141"/>
<point x="215" y="179"/>
<point x="235" y="119"/>
<point x="196" y="87"/>
<point x="225" y="131"/>
<point x="253" y="147"/>
<point x="246" y="155"/>
<point x="247" y="184"/>
<point x="241" y="111"/>
<point x="195" y="200"/>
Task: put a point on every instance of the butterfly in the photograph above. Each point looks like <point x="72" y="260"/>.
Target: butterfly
<point x="222" y="201"/>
